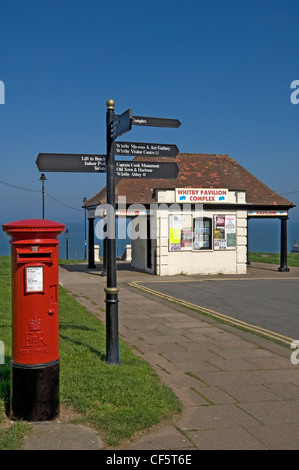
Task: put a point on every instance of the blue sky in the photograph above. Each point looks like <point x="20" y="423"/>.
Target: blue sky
<point x="222" y="67"/>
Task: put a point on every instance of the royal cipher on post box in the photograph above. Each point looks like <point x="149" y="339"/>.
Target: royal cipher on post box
<point x="35" y="345"/>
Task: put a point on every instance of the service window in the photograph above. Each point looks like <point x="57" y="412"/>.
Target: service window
<point x="202" y="233"/>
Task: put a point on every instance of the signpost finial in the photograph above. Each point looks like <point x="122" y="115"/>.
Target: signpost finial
<point x="110" y="104"/>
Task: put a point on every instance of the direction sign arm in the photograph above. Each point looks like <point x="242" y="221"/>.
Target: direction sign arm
<point x="67" y="162"/>
<point x="144" y="149"/>
<point x="120" y="124"/>
<point x="155" y="122"/>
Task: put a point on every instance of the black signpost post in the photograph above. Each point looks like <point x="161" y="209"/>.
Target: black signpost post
<point x="117" y="125"/>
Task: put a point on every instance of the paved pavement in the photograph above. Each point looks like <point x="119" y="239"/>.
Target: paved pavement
<point x="239" y="391"/>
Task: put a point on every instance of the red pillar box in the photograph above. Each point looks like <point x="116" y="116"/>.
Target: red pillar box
<point x="35" y="350"/>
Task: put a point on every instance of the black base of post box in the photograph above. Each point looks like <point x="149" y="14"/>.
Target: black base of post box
<point x="35" y="391"/>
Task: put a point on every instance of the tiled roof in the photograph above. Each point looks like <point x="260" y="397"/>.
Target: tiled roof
<point x="196" y="170"/>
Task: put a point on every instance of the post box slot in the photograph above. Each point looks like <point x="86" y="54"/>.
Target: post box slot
<point x="35" y="255"/>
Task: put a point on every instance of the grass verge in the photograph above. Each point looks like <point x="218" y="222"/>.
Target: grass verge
<point x="274" y="258"/>
<point x="117" y="400"/>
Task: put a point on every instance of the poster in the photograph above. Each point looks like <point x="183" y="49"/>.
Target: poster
<point x="224" y="232"/>
<point x="180" y="232"/>
<point x="186" y="238"/>
<point x="230" y="228"/>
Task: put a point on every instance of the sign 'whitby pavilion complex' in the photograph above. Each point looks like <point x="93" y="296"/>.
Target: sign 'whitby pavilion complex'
<point x="194" y="221"/>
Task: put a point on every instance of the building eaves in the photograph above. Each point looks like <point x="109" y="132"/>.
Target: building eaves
<point x="196" y="171"/>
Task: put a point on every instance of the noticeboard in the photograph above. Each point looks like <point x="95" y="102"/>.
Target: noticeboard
<point x="180" y="232"/>
<point x="187" y="233"/>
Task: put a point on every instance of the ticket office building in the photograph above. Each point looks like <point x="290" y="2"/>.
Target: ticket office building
<point x="196" y="224"/>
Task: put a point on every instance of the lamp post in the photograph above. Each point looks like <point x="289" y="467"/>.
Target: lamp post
<point x="67" y="236"/>
<point x="85" y="242"/>
<point x="43" y="179"/>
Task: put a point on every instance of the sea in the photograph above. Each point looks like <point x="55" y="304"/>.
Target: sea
<point x="264" y="236"/>
<point x="76" y="242"/>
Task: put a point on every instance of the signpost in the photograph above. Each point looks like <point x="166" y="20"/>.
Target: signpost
<point x="146" y="150"/>
<point x="61" y="162"/>
<point x="117" y="125"/>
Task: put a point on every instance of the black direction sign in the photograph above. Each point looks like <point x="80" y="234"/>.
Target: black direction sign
<point x="60" y="162"/>
<point x="121" y="124"/>
<point x="155" y="122"/>
<point x="153" y="170"/>
<point x="142" y="149"/>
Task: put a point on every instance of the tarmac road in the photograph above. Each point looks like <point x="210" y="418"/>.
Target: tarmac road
<point x="271" y="304"/>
